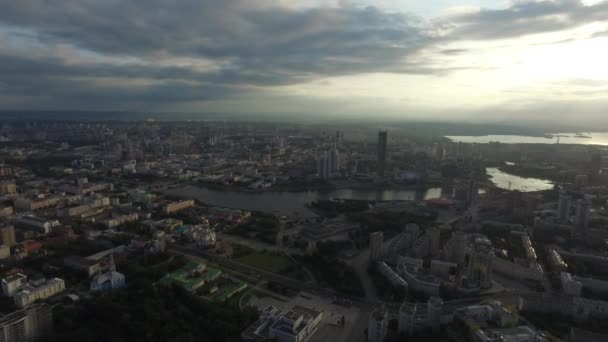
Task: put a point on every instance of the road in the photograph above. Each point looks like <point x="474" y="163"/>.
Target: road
<point x="360" y="264"/>
<point x="255" y="244"/>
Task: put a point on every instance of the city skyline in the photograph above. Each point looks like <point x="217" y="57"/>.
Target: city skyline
<point x="476" y="60"/>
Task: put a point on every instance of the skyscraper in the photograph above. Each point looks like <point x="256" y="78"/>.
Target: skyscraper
<point x="382" y="142"/>
<point x="375" y="245"/>
<point x="328" y="163"/>
<point x="581" y="219"/>
<point x="323" y="166"/>
<point x="596" y="164"/>
<point x="377" y="325"/>
<point x="563" y="206"/>
<point x="334" y="161"/>
<point x="434" y="240"/>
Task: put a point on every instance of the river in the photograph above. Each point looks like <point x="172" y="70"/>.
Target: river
<point x="565" y="138"/>
<point x="505" y="180"/>
<point x="293" y="203"/>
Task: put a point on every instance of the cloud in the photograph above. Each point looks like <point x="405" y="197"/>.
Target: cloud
<point x="128" y="53"/>
<point x="247" y="44"/>
<point x="524" y="18"/>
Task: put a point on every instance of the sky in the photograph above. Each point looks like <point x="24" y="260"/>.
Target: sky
<point x="520" y="61"/>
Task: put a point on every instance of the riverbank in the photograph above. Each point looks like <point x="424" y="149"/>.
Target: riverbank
<point x="338" y="185"/>
<point x="293" y="203"/>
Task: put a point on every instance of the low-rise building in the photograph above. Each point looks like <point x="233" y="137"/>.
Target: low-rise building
<point x="5" y="252"/>
<point x="177" y="206"/>
<point x="36" y="203"/>
<point x="12" y="284"/>
<point x="297" y="325"/>
<point x="84" y="265"/>
<point x="120" y="220"/>
<point x="36" y="223"/>
<point x="8" y="187"/>
<point x="30" y="293"/>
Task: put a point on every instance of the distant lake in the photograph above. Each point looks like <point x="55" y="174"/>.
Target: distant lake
<point x="565" y="138"/>
<point x="505" y="180"/>
<point x="290" y="203"/>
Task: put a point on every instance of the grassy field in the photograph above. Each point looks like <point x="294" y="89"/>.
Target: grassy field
<point x="267" y="261"/>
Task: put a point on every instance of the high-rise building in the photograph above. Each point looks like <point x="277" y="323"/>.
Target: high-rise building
<point x="323" y="166"/>
<point x="377" y="325"/>
<point x="596" y="164"/>
<point x="382" y="145"/>
<point x="7" y="233"/>
<point x="582" y="219"/>
<point x="407" y="318"/>
<point x="457" y="247"/>
<point x="375" y="245"/>
<point x="27" y="324"/>
<point x="434" y="240"/>
<point x="563" y="206"/>
<point x="479" y="271"/>
<point x="434" y="309"/>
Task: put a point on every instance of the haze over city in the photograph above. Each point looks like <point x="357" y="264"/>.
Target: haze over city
<point x="482" y="60"/>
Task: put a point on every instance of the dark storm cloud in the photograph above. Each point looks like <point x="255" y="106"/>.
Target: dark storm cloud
<point x="255" y="45"/>
<point x="525" y="18"/>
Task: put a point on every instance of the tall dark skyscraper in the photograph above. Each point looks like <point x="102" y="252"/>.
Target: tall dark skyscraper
<point x="382" y="142"/>
<point x="596" y="164"/>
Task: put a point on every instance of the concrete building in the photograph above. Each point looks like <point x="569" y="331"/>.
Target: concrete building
<point x="377" y="325"/>
<point x="258" y="330"/>
<point x="35" y="223"/>
<point x="120" y="220"/>
<point x="434" y="310"/>
<point x="434" y="237"/>
<point x="12" y="284"/>
<point x="581" y="220"/>
<point x="7" y="233"/>
<point x="299" y="324"/>
<point x="375" y="245"/>
<point x="563" y="206"/>
<point x="556" y="262"/>
<point x="178" y="206"/>
<point x="33" y="291"/>
<point x="456" y="247"/>
<point x="8" y="187"/>
<point x="570" y="286"/>
<point x="479" y="270"/>
<point x="392" y="276"/>
<point x="5" y="252"/>
<point x="37" y="203"/>
<point x="28" y="324"/>
<point x="91" y="204"/>
<point x="84" y="265"/>
<point x="417" y="280"/>
<point x="382" y="153"/>
<point x="407" y="318"/>
<point x="323" y="166"/>
<point x="443" y="269"/>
